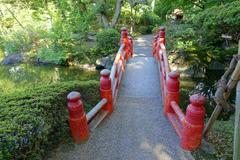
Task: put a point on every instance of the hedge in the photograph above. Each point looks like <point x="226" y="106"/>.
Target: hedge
<point x="34" y="120"/>
<point x="107" y="42"/>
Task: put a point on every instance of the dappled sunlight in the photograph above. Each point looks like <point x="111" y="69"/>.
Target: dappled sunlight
<point x="139" y="55"/>
<point x="187" y="83"/>
<point x="141" y="64"/>
<point x="158" y="150"/>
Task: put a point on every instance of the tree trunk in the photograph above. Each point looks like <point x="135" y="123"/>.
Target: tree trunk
<point x="13" y="15"/>
<point x="117" y="13"/>
<point x="115" y="18"/>
<point x="105" y="21"/>
<point x="153" y="5"/>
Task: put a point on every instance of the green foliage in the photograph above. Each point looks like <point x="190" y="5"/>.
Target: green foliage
<point x="198" y="40"/>
<point x="149" y="18"/>
<point x="142" y="18"/>
<point x="18" y="42"/>
<point x="85" y="53"/>
<point x="214" y="22"/>
<point x="54" y="55"/>
<point x="144" y="29"/>
<point x="33" y="120"/>
<point x="148" y="21"/>
<point x="107" y="41"/>
<point x="50" y="30"/>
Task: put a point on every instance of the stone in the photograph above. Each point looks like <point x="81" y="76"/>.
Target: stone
<point x="91" y="37"/>
<point x="215" y="65"/>
<point x="13" y="59"/>
<point x="104" y="63"/>
<point x="39" y="61"/>
<point x="208" y="148"/>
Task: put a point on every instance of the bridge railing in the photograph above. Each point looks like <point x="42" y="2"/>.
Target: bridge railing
<point x="188" y="127"/>
<point x="80" y="122"/>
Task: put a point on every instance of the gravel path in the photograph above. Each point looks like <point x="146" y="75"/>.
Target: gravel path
<point x="137" y="129"/>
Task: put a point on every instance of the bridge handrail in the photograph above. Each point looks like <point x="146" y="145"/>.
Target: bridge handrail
<point x="117" y="70"/>
<point x="188" y="127"/>
<point x="79" y="121"/>
<point x="92" y="113"/>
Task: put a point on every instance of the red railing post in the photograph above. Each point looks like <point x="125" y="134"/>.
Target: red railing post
<point x="77" y="117"/>
<point x="106" y="90"/>
<point x="193" y="124"/>
<point x="162" y="35"/>
<point x="171" y="91"/>
<point x="131" y="45"/>
<point x="154" y="45"/>
<point x="127" y="42"/>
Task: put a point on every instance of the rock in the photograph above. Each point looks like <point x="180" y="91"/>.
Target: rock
<point x="208" y="148"/>
<point x="39" y="61"/>
<point x="13" y="59"/>
<point x="215" y="65"/>
<point x="91" y="37"/>
<point x="104" y="63"/>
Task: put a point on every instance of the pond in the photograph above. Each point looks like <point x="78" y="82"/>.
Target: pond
<point x="23" y="76"/>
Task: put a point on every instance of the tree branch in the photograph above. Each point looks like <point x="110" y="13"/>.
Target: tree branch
<point x="15" y="18"/>
<point x="117" y="13"/>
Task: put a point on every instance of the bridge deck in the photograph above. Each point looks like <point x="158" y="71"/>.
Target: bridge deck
<point x="137" y="129"/>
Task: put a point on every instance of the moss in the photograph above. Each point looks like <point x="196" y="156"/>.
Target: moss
<point x="221" y="138"/>
<point x="33" y="120"/>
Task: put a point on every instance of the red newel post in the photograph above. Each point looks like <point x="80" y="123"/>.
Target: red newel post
<point x="125" y="40"/>
<point x="162" y="35"/>
<point x="131" y="45"/>
<point x="106" y="90"/>
<point x="172" y="91"/>
<point x="154" y="46"/>
<point x="194" y="123"/>
<point x="77" y="117"/>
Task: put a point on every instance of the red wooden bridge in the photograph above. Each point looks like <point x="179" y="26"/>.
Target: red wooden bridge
<point x="140" y="108"/>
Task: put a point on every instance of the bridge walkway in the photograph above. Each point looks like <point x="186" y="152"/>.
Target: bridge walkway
<point x="137" y="129"/>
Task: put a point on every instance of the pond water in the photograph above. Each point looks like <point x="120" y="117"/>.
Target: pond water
<point x="22" y="76"/>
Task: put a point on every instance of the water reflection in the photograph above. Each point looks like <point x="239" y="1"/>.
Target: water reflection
<point x="22" y="76"/>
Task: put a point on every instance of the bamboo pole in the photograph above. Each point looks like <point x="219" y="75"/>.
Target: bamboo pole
<point x="236" y="152"/>
<point x="236" y="149"/>
<point x="224" y="90"/>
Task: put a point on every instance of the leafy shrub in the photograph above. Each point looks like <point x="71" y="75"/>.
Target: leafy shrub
<point x="148" y="21"/>
<point x="34" y="120"/>
<point x="85" y="52"/>
<point x="143" y="29"/>
<point x="198" y="40"/>
<point x="52" y="55"/>
<point x="17" y="42"/>
<point x="107" y="41"/>
<point x="150" y="18"/>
